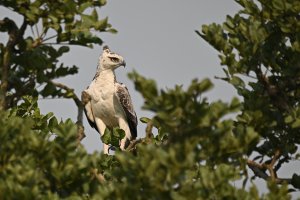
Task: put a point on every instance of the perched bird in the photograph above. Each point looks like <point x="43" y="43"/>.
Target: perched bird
<point x="107" y="102"/>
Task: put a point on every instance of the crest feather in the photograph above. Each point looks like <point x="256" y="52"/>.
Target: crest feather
<point x="106" y="48"/>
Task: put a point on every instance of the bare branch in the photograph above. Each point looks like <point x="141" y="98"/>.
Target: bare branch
<point x="259" y="170"/>
<point x="270" y="166"/>
<point x="49" y="38"/>
<point x="132" y="144"/>
<point x="275" y="158"/>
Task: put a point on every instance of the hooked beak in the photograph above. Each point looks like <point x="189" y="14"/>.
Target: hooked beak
<point x="123" y="64"/>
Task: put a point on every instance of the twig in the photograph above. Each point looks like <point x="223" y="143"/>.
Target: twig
<point x="132" y="144"/>
<point x="149" y="136"/>
<point x="37" y="30"/>
<point x="257" y="169"/>
<point x="149" y="128"/>
<point x="270" y="166"/>
<point x="32" y="31"/>
<point x="275" y="158"/>
<point x="49" y="38"/>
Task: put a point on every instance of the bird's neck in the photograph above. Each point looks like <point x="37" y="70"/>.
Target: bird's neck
<point x="108" y="76"/>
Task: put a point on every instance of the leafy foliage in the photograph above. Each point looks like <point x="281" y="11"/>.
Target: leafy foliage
<point x="52" y="23"/>
<point x="113" y="137"/>
<point x="262" y="42"/>
<point x="40" y="158"/>
<point x="193" y="149"/>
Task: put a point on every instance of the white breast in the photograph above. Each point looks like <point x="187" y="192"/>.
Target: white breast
<point x="103" y="101"/>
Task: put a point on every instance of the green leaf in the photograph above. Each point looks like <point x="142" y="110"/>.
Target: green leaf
<point x="145" y="120"/>
<point x="84" y="6"/>
<point x="63" y="49"/>
<point x="118" y="133"/>
<point x="48" y="90"/>
<point x="296" y="123"/>
<point x="235" y="104"/>
<point x="112" y="30"/>
<point x="113" y="137"/>
<point x="205" y="85"/>
<point x="288" y="119"/>
<point x="106" y="137"/>
<point x="296" y="181"/>
<point x="141" y="83"/>
<point x="53" y="123"/>
<point x="94" y="14"/>
<point x="237" y="82"/>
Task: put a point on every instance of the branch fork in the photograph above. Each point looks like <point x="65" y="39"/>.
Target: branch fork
<point x="259" y="170"/>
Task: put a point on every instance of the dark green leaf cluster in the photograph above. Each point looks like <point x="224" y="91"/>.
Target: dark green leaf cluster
<point x="27" y="74"/>
<point x="40" y="157"/>
<point x="260" y="48"/>
<point x="29" y="59"/>
<point x="113" y="137"/>
<point x="163" y="173"/>
<point x="184" y="114"/>
<point x="198" y="157"/>
<point x="68" y="19"/>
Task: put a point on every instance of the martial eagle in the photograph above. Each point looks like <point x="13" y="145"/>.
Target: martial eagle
<point x="108" y="103"/>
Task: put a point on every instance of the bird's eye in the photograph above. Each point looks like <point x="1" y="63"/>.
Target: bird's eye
<point x="114" y="59"/>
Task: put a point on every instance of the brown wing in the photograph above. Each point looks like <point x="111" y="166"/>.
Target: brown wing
<point x="86" y="100"/>
<point x="125" y="100"/>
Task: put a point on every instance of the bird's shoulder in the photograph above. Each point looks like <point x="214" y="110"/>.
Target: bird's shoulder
<point x="124" y="98"/>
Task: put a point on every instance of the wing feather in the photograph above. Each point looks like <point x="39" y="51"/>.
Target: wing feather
<point x="125" y="100"/>
<point x="88" y="109"/>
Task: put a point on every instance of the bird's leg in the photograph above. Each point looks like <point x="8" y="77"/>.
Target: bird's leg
<point x="105" y="148"/>
<point x="122" y="145"/>
<point x="124" y="125"/>
<point x="101" y="127"/>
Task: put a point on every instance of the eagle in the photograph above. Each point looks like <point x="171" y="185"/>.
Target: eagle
<point x="107" y="103"/>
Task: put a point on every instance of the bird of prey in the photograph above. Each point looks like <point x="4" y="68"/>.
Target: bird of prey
<point x="107" y="102"/>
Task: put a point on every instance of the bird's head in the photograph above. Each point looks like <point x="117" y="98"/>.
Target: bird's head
<point x="110" y="60"/>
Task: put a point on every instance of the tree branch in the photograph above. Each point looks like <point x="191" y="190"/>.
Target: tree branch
<point x="132" y="144"/>
<point x="270" y="166"/>
<point x="15" y="35"/>
<point x="149" y="136"/>
<point x="80" y="127"/>
<point x="259" y="170"/>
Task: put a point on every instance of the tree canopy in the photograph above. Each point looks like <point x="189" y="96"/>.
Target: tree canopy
<point x="193" y="149"/>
